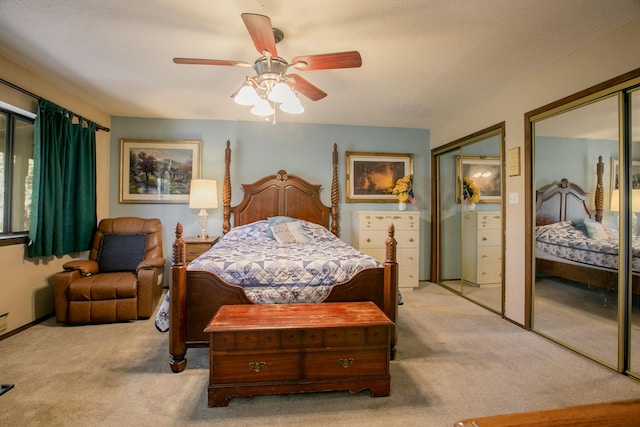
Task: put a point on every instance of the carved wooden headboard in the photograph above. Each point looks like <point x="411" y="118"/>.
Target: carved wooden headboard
<point x="565" y="201"/>
<point x="281" y="194"/>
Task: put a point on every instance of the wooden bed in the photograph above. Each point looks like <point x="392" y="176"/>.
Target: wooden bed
<point x="565" y="201"/>
<point x="195" y="296"/>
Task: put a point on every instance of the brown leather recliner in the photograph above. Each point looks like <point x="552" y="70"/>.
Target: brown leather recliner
<point x="121" y="280"/>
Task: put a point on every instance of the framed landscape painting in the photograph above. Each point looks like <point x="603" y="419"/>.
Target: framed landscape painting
<point x="158" y="171"/>
<point x="372" y="176"/>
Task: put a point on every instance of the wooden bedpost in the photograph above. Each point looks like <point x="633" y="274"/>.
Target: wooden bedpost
<point x="599" y="197"/>
<point x="177" y="305"/>
<point x="226" y="191"/>
<point x="391" y="278"/>
<point x="335" y="193"/>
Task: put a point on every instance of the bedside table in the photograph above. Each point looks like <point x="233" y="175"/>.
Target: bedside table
<point x="195" y="247"/>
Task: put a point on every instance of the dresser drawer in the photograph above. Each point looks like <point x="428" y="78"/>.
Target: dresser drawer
<point x="489" y="273"/>
<point x="489" y="254"/>
<point x="254" y="367"/>
<point x="345" y="363"/>
<point x="408" y="275"/>
<point x="407" y="221"/>
<point x="489" y="221"/>
<point x="406" y="238"/>
<point x="488" y="238"/>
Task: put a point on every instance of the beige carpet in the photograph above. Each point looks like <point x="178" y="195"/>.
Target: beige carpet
<point x="455" y="360"/>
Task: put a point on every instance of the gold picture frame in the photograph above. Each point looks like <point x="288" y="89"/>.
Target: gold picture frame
<point x="372" y="176"/>
<point x="158" y="171"/>
<point x="486" y="173"/>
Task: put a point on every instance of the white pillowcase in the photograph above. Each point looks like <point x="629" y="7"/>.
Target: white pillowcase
<point x="289" y="232"/>
<point x="596" y="230"/>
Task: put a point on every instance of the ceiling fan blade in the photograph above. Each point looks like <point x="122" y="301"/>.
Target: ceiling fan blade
<point x="198" y="61"/>
<point x="261" y="32"/>
<point x="304" y="87"/>
<point x="328" y="61"/>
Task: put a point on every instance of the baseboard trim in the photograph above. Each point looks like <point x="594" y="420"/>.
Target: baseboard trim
<point x="27" y="326"/>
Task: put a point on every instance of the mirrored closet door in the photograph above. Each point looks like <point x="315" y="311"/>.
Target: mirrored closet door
<point x="585" y="176"/>
<point x="468" y="230"/>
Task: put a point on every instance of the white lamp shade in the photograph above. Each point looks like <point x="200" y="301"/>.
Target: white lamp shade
<point x="204" y="194"/>
<point x="292" y="106"/>
<point x="280" y="92"/>
<point x="262" y="108"/>
<point x="615" y="201"/>
<point x="246" y="96"/>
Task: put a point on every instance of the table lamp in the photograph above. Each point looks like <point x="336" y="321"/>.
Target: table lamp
<point x="203" y="196"/>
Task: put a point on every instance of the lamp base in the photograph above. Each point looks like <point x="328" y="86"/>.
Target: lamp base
<point x="203" y="219"/>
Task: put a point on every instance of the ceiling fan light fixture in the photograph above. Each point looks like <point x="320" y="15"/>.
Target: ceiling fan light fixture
<point x="247" y="96"/>
<point x="280" y="92"/>
<point x="262" y="108"/>
<point x="292" y="105"/>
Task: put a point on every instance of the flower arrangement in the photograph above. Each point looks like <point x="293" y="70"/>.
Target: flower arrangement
<point x="402" y="190"/>
<point x="470" y="192"/>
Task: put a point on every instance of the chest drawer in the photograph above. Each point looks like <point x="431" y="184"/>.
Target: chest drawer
<point x="488" y="238"/>
<point x="489" y="221"/>
<point x="489" y="254"/>
<point x="254" y="366"/>
<point x="345" y="363"/>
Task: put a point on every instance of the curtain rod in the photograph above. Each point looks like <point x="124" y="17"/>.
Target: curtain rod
<point x="33" y="95"/>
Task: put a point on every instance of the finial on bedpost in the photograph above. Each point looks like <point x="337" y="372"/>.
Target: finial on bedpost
<point x="390" y="245"/>
<point x="226" y="191"/>
<point x="179" y="255"/>
<point x="599" y="197"/>
<point x="335" y="192"/>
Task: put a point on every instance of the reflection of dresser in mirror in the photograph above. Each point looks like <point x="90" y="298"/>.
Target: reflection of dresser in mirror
<point x="481" y="248"/>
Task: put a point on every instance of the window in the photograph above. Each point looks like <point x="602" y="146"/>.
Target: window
<point x="16" y="171"/>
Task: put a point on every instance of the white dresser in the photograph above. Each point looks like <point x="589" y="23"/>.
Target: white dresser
<point x="482" y="247"/>
<point x="369" y="234"/>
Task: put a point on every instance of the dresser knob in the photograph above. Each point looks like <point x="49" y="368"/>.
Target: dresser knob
<point x="368" y="240"/>
<point x="257" y="366"/>
<point x="345" y="363"/>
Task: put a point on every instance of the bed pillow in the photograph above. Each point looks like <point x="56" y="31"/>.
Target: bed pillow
<point x="275" y="220"/>
<point x="121" y="252"/>
<point x="579" y="225"/>
<point x="289" y="232"/>
<point x="595" y="230"/>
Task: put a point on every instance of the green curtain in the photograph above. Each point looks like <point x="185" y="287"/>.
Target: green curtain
<point x="63" y="207"/>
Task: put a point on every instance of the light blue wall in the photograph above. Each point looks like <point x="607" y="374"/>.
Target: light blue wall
<point x="259" y="149"/>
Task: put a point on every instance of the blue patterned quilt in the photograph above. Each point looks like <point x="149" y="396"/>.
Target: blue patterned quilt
<point x="290" y="262"/>
<point x="571" y="242"/>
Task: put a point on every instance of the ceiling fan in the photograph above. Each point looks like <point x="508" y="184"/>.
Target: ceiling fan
<point x="272" y="83"/>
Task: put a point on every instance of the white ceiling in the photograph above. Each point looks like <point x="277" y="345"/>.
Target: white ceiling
<point x="423" y="60"/>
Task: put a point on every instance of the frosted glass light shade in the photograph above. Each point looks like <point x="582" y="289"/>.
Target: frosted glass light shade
<point x="280" y="92"/>
<point x="246" y="96"/>
<point x="292" y="106"/>
<point x="262" y="108"/>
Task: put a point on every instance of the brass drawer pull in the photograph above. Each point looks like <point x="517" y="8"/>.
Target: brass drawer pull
<point x="257" y="366"/>
<point x="345" y="363"/>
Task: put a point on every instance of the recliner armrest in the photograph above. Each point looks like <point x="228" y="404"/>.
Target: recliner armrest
<point x="84" y="266"/>
<point x="150" y="263"/>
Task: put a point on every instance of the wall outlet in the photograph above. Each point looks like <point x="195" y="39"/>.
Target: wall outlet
<point x="3" y="321"/>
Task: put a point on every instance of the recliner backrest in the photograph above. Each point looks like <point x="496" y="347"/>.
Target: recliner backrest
<point x="152" y="227"/>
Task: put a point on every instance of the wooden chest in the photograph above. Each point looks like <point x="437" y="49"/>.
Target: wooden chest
<point x="295" y="348"/>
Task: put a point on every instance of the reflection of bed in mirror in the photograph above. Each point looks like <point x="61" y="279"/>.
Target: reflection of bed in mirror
<point x="571" y="241"/>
